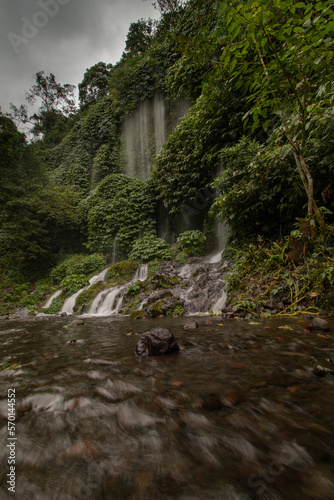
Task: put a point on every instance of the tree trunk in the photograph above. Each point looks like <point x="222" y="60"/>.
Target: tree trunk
<point x="307" y="181"/>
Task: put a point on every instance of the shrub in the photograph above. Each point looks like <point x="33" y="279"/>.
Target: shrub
<point x="151" y="248"/>
<point x="78" y="264"/>
<point x="191" y="242"/>
<point x="73" y="283"/>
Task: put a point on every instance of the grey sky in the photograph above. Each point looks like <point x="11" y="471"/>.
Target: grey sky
<point x="63" y="37"/>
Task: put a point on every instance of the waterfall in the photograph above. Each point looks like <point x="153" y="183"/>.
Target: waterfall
<point x="99" y="277"/>
<point x="203" y="287"/>
<point x="141" y="273"/>
<point x="222" y="233"/>
<point x="109" y="302"/>
<point x="51" y="299"/>
<point x="136" y="132"/>
<point x="146" y="131"/>
<point x="159" y="122"/>
<point x="69" y="304"/>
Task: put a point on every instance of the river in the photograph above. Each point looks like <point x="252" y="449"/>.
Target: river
<point x="240" y="413"/>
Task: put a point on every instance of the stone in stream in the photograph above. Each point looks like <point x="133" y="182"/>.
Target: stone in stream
<point x="320" y="325"/>
<point x="77" y="322"/>
<point x="156" y="342"/>
<point x="192" y="325"/>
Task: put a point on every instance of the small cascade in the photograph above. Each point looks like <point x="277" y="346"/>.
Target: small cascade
<point x="69" y="304"/>
<point x="159" y="122"/>
<point x="109" y="302"/>
<point x="223" y="233"/>
<point x="104" y="303"/>
<point x="141" y="273"/>
<point x="51" y="299"/>
<point x="99" y="277"/>
<point x="136" y="133"/>
<point x="202" y="287"/>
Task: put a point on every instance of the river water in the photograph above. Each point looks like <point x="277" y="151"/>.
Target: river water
<point x="240" y="413"/>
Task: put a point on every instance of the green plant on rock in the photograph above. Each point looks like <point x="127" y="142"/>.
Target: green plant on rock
<point x="117" y="211"/>
<point x="56" y="305"/>
<point x="78" y="264"/>
<point x="178" y="310"/>
<point x="191" y="242"/>
<point x="73" y="283"/>
<point x="135" y="288"/>
<point x="151" y="248"/>
<point x="122" y="271"/>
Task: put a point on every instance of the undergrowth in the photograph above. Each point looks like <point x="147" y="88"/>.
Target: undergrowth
<point x="262" y="272"/>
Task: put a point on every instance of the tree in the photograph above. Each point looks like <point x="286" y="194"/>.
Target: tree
<point x="165" y="6"/>
<point x="281" y="53"/>
<point x="139" y="37"/>
<point x="56" y="103"/>
<point x="95" y="83"/>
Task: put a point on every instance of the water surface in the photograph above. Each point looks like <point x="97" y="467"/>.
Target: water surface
<point x="244" y="411"/>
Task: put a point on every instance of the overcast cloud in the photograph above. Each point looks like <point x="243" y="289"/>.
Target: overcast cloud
<point x="63" y="37"/>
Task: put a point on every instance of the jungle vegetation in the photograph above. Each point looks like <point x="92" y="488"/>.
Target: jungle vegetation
<point x="256" y="145"/>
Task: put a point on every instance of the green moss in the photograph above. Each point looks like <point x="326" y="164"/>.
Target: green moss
<point x="56" y="305"/>
<point x="122" y="271"/>
<point x="137" y="314"/>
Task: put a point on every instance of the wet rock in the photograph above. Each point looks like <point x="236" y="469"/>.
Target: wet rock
<point x="163" y="307"/>
<point x="77" y="322"/>
<point x="192" y="325"/>
<point x="320" y="325"/>
<point x="138" y="314"/>
<point x="156" y="342"/>
<point x="76" y="341"/>
<point x="162" y="294"/>
<point x="22" y="313"/>
<point x="3" y="318"/>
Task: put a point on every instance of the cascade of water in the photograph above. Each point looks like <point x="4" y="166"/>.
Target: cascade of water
<point x="136" y="132"/>
<point x="99" y="277"/>
<point x="51" y="299"/>
<point x="141" y="273"/>
<point x="203" y="287"/>
<point x="159" y="122"/>
<point x="109" y="302"/>
<point x="222" y="232"/>
<point x="69" y="304"/>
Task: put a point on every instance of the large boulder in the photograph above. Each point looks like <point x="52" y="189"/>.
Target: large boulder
<point x="156" y="342"/>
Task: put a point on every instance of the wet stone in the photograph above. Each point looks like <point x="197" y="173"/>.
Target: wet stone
<point x="156" y="342"/>
<point x="77" y="322"/>
<point x="192" y="325"/>
<point x="320" y="325"/>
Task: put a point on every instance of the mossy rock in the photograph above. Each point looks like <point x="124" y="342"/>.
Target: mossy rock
<point x="139" y="314"/>
<point x="122" y="271"/>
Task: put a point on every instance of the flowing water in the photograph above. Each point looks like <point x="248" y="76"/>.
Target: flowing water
<point x="238" y="414"/>
<point x="109" y="302"/>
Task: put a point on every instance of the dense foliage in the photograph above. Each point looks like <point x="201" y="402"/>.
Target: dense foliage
<point x="117" y="212"/>
<point x="255" y="147"/>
